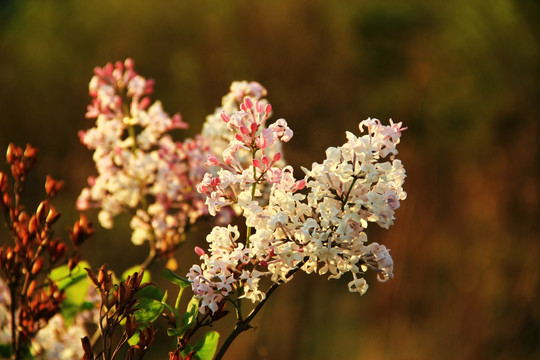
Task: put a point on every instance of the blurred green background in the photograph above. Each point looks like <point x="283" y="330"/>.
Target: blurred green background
<point x="463" y="75"/>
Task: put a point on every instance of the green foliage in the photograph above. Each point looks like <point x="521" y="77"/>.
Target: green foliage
<point x="148" y="310"/>
<point x="206" y="348"/>
<point x="75" y="285"/>
<point x="190" y="316"/>
<point x="188" y="319"/>
<point x="134" y="340"/>
<point x="175" y="278"/>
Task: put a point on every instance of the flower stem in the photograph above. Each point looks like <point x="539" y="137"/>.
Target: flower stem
<point x="244" y="325"/>
<point x="253" y="189"/>
<point x="348" y="193"/>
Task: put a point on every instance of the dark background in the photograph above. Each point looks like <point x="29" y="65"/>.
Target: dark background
<point x="463" y="75"/>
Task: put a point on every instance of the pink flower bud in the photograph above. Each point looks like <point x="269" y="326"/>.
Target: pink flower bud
<point x="299" y="185"/>
<point x="144" y="103"/>
<point x="248" y="102"/>
<point x="265" y="160"/>
<point x="268" y="109"/>
<point x="108" y="70"/>
<point x="82" y="135"/>
<point x="119" y="66"/>
<point x="256" y="163"/>
<point x="212" y="160"/>
<point x="277" y="156"/>
<point x="149" y="86"/>
<point x="177" y="122"/>
<point x="225" y="117"/>
<point x="129" y="63"/>
<point x="199" y="251"/>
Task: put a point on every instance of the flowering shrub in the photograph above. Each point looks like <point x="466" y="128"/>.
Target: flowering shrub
<point x="315" y="223"/>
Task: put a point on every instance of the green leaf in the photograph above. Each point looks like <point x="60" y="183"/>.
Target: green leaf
<point x="136" y="268"/>
<point x="87" y="305"/>
<point x="151" y="292"/>
<point x="175" y="278"/>
<point x="134" y="340"/>
<point x="206" y="348"/>
<point x="64" y="278"/>
<point x="75" y="286"/>
<point x="149" y="310"/>
<point x="190" y="315"/>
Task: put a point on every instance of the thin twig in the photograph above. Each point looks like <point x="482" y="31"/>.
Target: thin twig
<point x="244" y="325"/>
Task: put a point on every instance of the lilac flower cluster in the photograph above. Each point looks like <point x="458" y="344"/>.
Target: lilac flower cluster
<point x="323" y="232"/>
<point x="140" y="167"/>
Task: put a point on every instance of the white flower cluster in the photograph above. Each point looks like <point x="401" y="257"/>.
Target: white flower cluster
<point x="140" y="167"/>
<point x="57" y="340"/>
<point x="323" y="232"/>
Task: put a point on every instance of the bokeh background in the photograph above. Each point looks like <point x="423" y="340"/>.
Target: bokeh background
<point x="463" y="75"/>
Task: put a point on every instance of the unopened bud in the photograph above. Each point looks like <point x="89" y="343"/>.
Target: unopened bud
<point x="52" y="186"/>
<point x="37" y="266"/>
<point x="199" y="251"/>
<point x="144" y="103"/>
<point x="42" y="210"/>
<point x="30" y="151"/>
<point x="3" y="181"/>
<point x="248" y="103"/>
<point x="31" y="288"/>
<point x="10" y="156"/>
<point x="225" y="117"/>
<point x="52" y="216"/>
<point x="129" y="63"/>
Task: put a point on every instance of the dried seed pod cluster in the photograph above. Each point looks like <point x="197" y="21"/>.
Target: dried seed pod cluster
<point x="118" y="306"/>
<point x="25" y="263"/>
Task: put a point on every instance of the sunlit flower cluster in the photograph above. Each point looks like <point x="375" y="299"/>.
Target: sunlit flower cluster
<point x="321" y="229"/>
<point x="140" y="167"/>
<point x="217" y="131"/>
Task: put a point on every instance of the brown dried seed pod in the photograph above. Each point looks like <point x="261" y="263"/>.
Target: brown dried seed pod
<point x="52" y="216"/>
<point x="92" y="277"/>
<point x="42" y="210"/>
<point x="31" y="288"/>
<point x="52" y="187"/>
<point x="37" y="266"/>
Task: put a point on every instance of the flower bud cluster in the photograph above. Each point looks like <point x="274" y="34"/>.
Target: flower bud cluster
<point x="321" y="232"/>
<point x="140" y="167"/>
<point x="219" y="133"/>
<point x="237" y="178"/>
